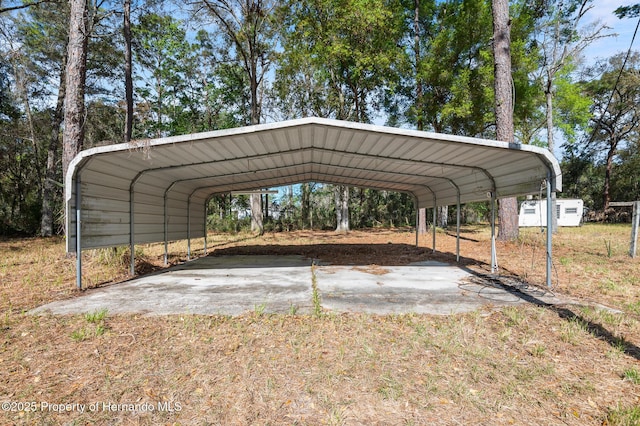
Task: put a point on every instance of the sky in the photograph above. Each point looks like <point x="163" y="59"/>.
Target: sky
<point x="624" y="28"/>
<point x="620" y="41"/>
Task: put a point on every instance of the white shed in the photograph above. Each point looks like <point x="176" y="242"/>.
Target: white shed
<point x="568" y="211"/>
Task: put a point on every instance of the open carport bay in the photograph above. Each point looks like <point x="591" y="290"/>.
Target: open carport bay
<point x="233" y="285"/>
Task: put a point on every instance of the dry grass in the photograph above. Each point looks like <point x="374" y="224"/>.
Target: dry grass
<point x="517" y="365"/>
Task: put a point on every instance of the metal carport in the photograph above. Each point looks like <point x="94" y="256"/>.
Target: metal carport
<point x="157" y="190"/>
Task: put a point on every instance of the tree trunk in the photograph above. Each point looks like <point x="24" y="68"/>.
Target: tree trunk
<point x="128" y="66"/>
<point x="73" y="135"/>
<point x="508" y="219"/>
<point x="443" y="216"/>
<point x="305" y="205"/>
<point x="548" y="93"/>
<point x="422" y="213"/>
<point x="21" y="88"/>
<point x="550" y="145"/>
<point x="422" y="221"/>
<point x="416" y="51"/>
<point x="49" y="187"/>
<point x="606" y="192"/>
<point x="342" y="208"/>
<point x="256" y="199"/>
<point x="246" y="23"/>
<point x="256" y="214"/>
<point x="508" y="207"/>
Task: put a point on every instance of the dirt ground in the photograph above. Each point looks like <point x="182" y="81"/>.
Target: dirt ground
<point x="518" y="365"/>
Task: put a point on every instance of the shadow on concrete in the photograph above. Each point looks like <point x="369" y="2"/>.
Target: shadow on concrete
<point x="346" y="254"/>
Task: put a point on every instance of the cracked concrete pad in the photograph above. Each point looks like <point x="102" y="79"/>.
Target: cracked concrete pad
<point x="227" y="285"/>
<point x="424" y="287"/>
<point x="233" y="285"/>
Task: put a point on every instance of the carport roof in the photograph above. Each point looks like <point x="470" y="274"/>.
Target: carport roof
<point x="153" y="190"/>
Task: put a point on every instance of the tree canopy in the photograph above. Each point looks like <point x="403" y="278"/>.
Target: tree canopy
<point x="209" y="64"/>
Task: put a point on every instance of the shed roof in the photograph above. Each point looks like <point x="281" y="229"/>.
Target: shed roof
<point x="154" y="190"/>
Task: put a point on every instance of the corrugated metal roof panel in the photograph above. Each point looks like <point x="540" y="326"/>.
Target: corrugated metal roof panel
<point x="190" y="168"/>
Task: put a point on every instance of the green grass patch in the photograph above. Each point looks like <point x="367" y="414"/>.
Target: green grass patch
<point x="632" y="374"/>
<point x="629" y="416"/>
<point x="96" y="317"/>
<point x="315" y="297"/>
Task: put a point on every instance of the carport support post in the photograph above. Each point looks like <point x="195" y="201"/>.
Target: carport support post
<point x="189" y="228"/>
<point x="417" y="223"/>
<point x="166" y="231"/>
<point x="132" y="247"/>
<point x="549" y="227"/>
<point x="166" y="224"/>
<point x="493" y="233"/>
<point x="205" y="226"/>
<point x="206" y="210"/>
<point x="415" y="203"/>
<point x="635" y="221"/>
<point x="78" y="233"/>
<point x="435" y="209"/>
<point x="458" y="229"/>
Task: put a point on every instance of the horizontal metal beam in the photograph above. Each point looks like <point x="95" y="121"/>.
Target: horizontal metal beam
<point x="269" y="191"/>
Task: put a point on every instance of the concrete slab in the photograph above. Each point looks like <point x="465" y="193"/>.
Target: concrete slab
<point x="225" y="285"/>
<point x="424" y="288"/>
<point x="232" y="285"/>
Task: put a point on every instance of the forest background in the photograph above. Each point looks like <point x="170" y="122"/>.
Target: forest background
<point x="159" y="68"/>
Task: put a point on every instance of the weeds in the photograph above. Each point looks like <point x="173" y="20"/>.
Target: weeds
<point x="390" y="388"/>
<point x="609" y="285"/>
<point x="117" y="257"/>
<point x="514" y="315"/>
<point x="623" y="416"/>
<point x="293" y="309"/>
<point x="315" y="298"/>
<point x="607" y="244"/>
<point x="574" y="330"/>
<point x="259" y="309"/>
<point x="538" y="351"/>
<point x="632" y="375"/>
<point x="97" y="319"/>
<point x="79" y="335"/>
<point x="633" y="307"/>
<point x="565" y="261"/>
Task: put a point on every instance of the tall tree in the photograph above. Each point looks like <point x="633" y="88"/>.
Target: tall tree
<point x="455" y="68"/>
<point x="616" y="111"/>
<point x="25" y="5"/>
<point x="249" y="28"/>
<point x="164" y="56"/>
<point x="44" y="34"/>
<point x="19" y="182"/>
<point x="81" y="27"/>
<point x="446" y="89"/>
<point x="420" y="31"/>
<point x="351" y="49"/>
<point x="632" y="11"/>
<point x="508" y="211"/>
<point x="562" y="43"/>
<point x="128" y="70"/>
<point x="76" y="76"/>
